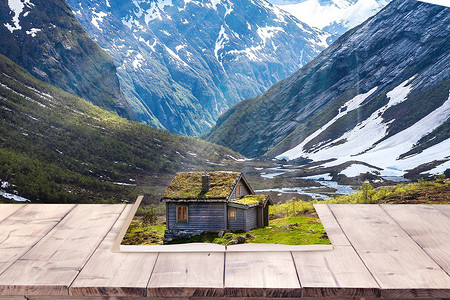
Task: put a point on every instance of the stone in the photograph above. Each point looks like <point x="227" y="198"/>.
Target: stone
<point x="223" y="232"/>
<point x="241" y="239"/>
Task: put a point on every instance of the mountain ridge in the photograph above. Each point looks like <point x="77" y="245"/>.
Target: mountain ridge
<point x="396" y="52"/>
<point x="183" y="63"/>
<point x="45" y="38"/>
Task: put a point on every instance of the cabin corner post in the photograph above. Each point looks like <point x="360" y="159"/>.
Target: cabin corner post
<point x="225" y="215"/>
<point x="167" y="216"/>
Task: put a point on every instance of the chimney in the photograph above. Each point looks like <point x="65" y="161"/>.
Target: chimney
<point x="206" y="181"/>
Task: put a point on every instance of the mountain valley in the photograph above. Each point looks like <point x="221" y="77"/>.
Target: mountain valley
<point x="181" y="64"/>
<point x="366" y="104"/>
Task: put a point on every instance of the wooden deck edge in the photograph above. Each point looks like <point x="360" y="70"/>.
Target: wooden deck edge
<point x="34" y="290"/>
<point x="107" y="291"/>
<point x="263" y="292"/>
<point x="184" y="292"/>
<point x="342" y="292"/>
<point x="126" y="224"/>
<point x="438" y="293"/>
<point x="206" y="247"/>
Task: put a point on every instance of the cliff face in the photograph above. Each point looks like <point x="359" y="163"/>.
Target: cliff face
<point x="369" y="89"/>
<point x="181" y="64"/>
<point x="44" y="37"/>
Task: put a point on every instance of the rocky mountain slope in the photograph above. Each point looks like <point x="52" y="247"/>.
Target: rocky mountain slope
<point x="332" y="16"/>
<point x="56" y="147"/>
<point x="378" y="96"/>
<point x="44" y="38"/>
<point x="183" y="63"/>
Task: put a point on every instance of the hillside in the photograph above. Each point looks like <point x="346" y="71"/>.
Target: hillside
<point x="378" y="96"/>
<point x="56" y="147"/>
<point x="181" y="64"/>
<point x="44" y="38"/>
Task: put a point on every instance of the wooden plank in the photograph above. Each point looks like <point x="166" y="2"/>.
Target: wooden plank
<point x="187" y="275"/>
<point x="7" y="210"/>
<point x="428" y="227"/>
<point x="25" y="228"/>
<point x="400" y="266"/>
<point x="126" y="223"/>
<point x="54" y="262"/>
<point x="261" y="274"/>
<point x="190" y="298"/>
<point x="333" y="229"/>
<point x="114" y="274"/>
<point x="443" y="208"/>
<point x="336" y="273"/>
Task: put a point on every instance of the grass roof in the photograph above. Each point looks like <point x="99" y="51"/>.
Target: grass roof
<point x="252" y="200"/>
<point x="188" y="185"/>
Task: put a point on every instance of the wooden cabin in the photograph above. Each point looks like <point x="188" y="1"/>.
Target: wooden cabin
<point x="198" y="202"/>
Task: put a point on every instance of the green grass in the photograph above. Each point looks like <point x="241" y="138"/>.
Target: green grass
<point x="188" y="185"/>
<point x="310" y="231"/>
<point x="422" y="192"/>
<point x="144" y="235"/>
<point x="251" y="199"/>
<point x="304" y="231"/>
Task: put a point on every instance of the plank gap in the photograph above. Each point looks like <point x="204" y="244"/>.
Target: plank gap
<point x="417" y="239"/>
<point x="38" y="240"/>
<point x="351" y="244"/>
<point x="151" y="273"/>
<point x="95" y="249"/>
<point x="295" y="266"/>
<point x="15" y="210"/>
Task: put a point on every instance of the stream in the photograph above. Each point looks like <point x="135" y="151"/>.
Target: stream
<point x="325" y="181"/>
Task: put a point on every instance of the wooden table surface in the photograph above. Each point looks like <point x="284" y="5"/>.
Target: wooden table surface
<point x="380" y="251"/>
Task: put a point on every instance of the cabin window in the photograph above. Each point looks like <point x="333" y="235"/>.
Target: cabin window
<point x="182" y="213"/>
<point x="232" y="214"/>
<point x="238" y="191"/>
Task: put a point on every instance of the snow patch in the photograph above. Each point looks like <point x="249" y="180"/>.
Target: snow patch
<point x="221" y="40"/>
<point x="267" y="32"/>
<point x="4" y="184"/>
<point x="326" y="176"/>
<point x="14" y="197"/>
<point x="98" y="17"/>
<point x="138" y="60"/>
<point x="385" y="154"/>
<point x="355" y="170"/>
<point x="362" y="142"/>
<point x="179" y="47"/>
<point x="350" y="105"/>
<point x="174" y="55"/>
<point x="33" y="31"/>
<point x="154" y="12"/>
<point x="16" y="7"/>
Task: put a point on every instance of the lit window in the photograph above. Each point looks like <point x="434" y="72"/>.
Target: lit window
<point x="182" y="213"/>
<point x="238" y="191"/>
<point x="232" y="214"/>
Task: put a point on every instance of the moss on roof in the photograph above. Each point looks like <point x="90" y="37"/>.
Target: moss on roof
<point x="252" y="199"/>
<point x="188" y="185"/>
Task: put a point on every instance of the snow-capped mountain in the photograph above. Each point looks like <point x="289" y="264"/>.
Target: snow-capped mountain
<point x="183" y="63"/>
<point x="43" y="37"/>
<point x="376" y="100"/>
<point x="332" y="16"/>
